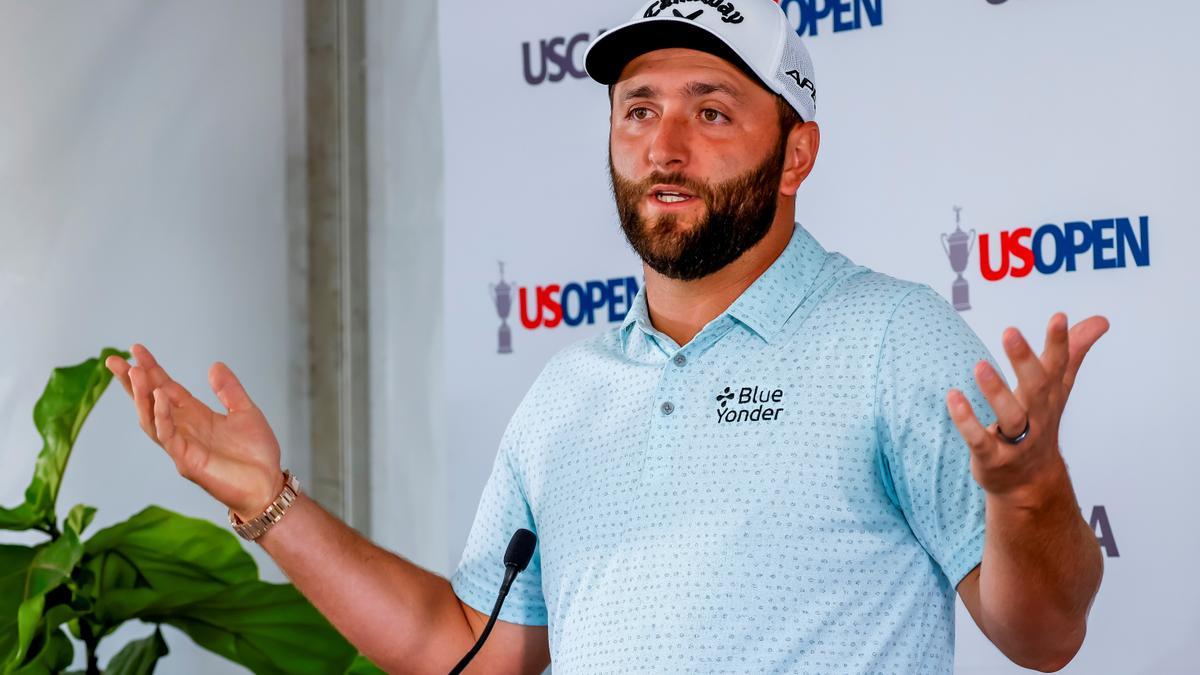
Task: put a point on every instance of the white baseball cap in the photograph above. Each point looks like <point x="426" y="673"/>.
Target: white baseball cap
<point x="754" y="35"/>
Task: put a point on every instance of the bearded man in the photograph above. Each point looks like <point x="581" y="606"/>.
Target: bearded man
<point x="780" y="462"/>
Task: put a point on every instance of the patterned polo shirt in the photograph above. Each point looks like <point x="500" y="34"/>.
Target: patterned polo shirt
<point x="784" y="493"/>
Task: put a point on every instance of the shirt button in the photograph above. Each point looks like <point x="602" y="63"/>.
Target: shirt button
<point x="668" y="408"/>
<point x="680" y="360"/>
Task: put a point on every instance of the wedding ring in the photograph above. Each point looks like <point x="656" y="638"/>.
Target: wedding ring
<point x="1020" y="437"/>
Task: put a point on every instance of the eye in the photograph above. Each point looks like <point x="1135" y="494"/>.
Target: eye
<point x="639" y="114"/>
<point x="711" y="115"/>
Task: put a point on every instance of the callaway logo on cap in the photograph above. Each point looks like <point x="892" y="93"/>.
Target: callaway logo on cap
<point x="754" y="35"/>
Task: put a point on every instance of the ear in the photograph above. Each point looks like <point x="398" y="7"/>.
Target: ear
<point x="803" y="142"/>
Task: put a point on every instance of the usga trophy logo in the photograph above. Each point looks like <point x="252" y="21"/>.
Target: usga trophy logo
<point x="958" y="245"/>
<point x="502" y="298"/>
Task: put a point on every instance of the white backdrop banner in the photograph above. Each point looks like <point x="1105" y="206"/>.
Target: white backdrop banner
<point x="1020" y="157"/>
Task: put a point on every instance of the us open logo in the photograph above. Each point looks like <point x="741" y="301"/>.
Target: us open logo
<point x="1051" y="248"/>
<point x="809" y="17"/>
<point x="749" y="404"/>
<point x="552" y="305"/>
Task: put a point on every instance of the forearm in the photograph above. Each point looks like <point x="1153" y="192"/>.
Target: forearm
<point x="402" y="617"/>
<point x="1041" y="569"/>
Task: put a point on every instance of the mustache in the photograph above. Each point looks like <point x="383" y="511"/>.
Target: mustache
<point x="697" y="188"/>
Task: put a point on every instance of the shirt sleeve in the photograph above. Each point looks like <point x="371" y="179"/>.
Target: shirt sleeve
<point x="927" y="350"/>
<point x="502" y="510"/>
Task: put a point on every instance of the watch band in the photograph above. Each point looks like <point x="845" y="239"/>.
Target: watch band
<point x="258" y="526"/>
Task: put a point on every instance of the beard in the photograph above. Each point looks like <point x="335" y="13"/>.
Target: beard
<point x="739" y="214"/>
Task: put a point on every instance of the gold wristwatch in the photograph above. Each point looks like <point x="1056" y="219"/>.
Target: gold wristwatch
<point x="258" y="526"/>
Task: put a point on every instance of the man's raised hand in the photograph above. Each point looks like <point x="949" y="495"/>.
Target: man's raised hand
<point x="233" y="456"/>
<point x="1019" y="471"/>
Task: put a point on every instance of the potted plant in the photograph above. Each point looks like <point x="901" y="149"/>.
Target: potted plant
<point x="158" y="567"/>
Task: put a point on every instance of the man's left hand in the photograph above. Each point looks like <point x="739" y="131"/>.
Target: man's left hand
<point x="1021" y="473"/>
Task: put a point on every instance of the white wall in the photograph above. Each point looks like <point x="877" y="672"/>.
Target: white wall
<point x="143" y="198"/>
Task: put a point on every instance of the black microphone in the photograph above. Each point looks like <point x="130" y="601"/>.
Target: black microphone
<point x="518" y="555"/>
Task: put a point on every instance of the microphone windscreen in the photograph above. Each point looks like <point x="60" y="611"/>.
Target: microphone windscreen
<point x="520" y="549"/>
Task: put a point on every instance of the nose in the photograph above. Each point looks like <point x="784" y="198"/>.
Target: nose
<point x="668" y="147"/>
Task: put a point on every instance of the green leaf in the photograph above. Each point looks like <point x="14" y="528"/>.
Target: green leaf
<point x="60" y="614"/>
<point x="363" y="666"/>
<point x="59" y="414"/>
<point x="159" y="560"/>
<point x="14" y="566"/>
<point x="51" y="567"/>
<point x="51" y="658"/>
<point x="80" y="517"/>
<point x="138" y="657"/>
<point x="157" y="534"/>
<point x="268" y="628"/>
<point x="28" y="616"/>
<point x="50" y="651"/>
<point x="161" y="567"/>
<point x="41" y="623"/>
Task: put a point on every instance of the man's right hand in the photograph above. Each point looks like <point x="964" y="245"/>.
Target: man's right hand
<point x="403" y="617"/>
<point x="234" y="457"/>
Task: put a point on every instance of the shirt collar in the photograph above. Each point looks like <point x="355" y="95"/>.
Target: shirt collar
<point x="638" y="315"/>
<point x="769" y="302"/>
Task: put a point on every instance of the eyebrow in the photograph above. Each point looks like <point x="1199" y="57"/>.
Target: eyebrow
<point x="689" y="90"/>
<point x="644" y="91"/>
<point x="698" y="89"/>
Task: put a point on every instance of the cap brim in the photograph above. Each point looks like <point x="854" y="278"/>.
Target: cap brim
<point x="609" y="54"/>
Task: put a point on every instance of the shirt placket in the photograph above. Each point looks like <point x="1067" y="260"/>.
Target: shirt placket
<point x="675" y="406"/>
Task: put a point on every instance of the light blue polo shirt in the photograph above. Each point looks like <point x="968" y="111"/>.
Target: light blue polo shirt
<point x="784" y="493"/>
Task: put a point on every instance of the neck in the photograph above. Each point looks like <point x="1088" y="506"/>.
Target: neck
<point x="680" y="309"/>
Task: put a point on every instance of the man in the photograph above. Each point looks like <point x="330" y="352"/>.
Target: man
<point x="762" y="470"/>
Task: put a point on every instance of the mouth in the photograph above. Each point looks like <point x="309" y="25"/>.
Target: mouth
<point x="670" y="195"/>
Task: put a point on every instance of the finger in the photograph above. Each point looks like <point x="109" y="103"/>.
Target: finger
<point x="1031" y="376"/>
<point x="228" y="389"/>
<point x="144" y="358"/>
<point x="156" y="375"/>
<point x="1082" y="336"/>
<point x="176" y="394"/>
<point x="1054" y="356"/>
<point x="977" y="437"/>
<point x="142" y="401"/>
<point x="1011" y="416"/>
<point x="164" y="423"/>
<point x="119" y="367"/>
